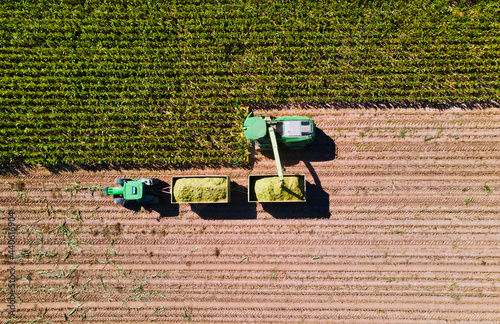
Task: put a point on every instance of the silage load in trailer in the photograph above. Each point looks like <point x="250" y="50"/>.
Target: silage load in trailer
<point x="211" y="189"/>
<point x="270" y="189"/>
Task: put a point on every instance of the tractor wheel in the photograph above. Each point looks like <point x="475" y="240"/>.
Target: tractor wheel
<point x="121" y="181"/>
<point x="156" y="181"/>
<point x="119" y="201"/>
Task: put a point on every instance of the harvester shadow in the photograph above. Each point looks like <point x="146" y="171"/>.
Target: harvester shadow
<point x="252" y="158"/>
<point x="163" y="207"/>
<point x="322" y="149"/>
<point x="237" y="208"/>
<point x="291" y="193"/>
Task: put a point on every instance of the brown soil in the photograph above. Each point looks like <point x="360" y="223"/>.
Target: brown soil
<point x="401" y="225"/>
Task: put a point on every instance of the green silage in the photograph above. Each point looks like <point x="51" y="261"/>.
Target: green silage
<point x="201" y="190"/>
<point x="270" y="189"/>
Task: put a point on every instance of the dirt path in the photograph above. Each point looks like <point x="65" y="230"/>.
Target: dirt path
<point x="401" y="225"/>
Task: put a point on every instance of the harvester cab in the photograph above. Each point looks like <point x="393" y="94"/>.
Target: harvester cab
<point x="294" y="132"/>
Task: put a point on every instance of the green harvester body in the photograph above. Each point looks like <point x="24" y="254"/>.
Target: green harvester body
<point x="293" y="131"/>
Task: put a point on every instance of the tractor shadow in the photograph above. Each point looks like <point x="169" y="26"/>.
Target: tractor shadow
<point x="317" y="203"/>
<point x="237" y="208"/>
<point x="163" y="208"/>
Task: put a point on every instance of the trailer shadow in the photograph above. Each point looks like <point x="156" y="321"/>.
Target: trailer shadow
<point x="163" y="208"/>
<point x="317" y="203"/>
<point x="237" y="208"/>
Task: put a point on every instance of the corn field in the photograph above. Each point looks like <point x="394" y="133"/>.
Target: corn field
<point x="90" y="82"/>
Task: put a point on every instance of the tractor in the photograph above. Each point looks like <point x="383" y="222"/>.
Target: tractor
<point x="141" y="191"/>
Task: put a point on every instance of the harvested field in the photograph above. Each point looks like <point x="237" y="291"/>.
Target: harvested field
<point x="401" y="225"/>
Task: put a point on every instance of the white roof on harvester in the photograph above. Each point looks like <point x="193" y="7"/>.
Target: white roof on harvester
<point x="296" y="128"/>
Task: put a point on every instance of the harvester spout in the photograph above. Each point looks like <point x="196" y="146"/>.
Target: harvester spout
<point x="272" y="135"/>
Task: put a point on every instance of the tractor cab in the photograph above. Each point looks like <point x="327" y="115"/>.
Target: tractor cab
<point x="131" y="190"/>
<point x="143" y="190"/>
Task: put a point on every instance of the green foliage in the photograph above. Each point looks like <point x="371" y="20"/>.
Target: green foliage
<point x="488" y="189"/>
<point x="154" y="82"/>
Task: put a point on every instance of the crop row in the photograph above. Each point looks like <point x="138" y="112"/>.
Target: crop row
<point x="128" y="156"/>
<point x="116" y="130"/>
<point x="65" y="87"/>
<point x="88" y="153"/>
<point x="165" y="55"/>
<point x="348" y="12"/>
<point x="126" y="75"/>
<point x="226" y="46"/>
<point x="88" y="30"/>
<point x="173" y="104"/>
<point x="149" y="34"/>
<point x="157" y="90"/>
<point x="109" y="108"/>
<point x="317" y="89"/>
<point x="120" y="140"/>
<point x="413" y="77"/>
<point x="183" y="78"/>
<point x="188" y="120"/>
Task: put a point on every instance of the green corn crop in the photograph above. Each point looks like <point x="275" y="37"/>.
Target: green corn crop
<point x="106" y="83"/>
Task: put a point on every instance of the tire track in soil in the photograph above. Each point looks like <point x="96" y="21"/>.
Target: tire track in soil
<point x="402" y="226"/>
<point x="337" y="312"/>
